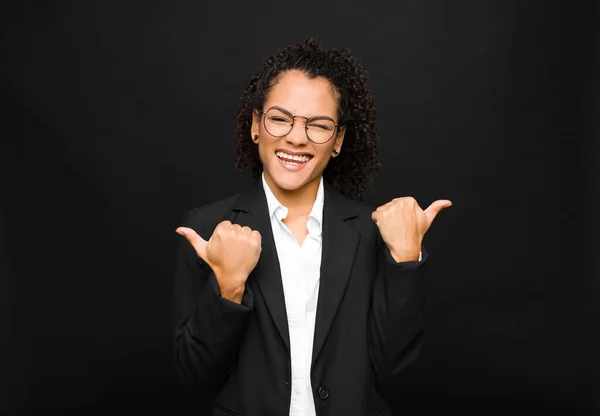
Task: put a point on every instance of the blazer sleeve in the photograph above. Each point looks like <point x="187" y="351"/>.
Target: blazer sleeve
<point x="208" y="328"/>
<point x="396" y="322"/>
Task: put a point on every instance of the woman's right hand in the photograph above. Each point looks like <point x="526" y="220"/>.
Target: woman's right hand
<point x="231" y="252"/>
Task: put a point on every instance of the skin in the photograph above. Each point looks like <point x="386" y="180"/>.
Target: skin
<point x="301" y="96"/>
<point x="233" y="251"/>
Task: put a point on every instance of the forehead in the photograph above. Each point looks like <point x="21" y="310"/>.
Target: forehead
<point x="301" y="95"/>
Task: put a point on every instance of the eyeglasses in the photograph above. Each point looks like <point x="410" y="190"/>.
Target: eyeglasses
<point x="279" y="122"/>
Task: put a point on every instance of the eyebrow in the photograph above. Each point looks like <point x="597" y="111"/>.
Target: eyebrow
<point x="317" y="117"/>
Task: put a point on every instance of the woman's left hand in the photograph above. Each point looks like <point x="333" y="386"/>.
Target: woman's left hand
<point x="403" y="224"/>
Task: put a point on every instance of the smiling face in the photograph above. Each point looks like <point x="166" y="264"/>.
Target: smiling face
<point x="293" y="162"/>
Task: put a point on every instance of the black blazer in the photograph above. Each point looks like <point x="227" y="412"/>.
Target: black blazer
<point x="368" y="325"/>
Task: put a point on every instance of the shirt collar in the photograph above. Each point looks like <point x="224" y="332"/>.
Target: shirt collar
<point x="280" y="212"/>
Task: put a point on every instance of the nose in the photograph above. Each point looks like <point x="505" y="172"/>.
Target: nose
<point x="297" y="136"/>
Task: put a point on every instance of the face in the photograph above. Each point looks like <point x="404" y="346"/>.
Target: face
<point x="299" y="95"/>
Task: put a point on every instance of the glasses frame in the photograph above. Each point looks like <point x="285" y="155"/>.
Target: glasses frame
<point x="293" y="117"/>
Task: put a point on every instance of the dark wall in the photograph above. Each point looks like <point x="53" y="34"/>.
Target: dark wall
<point x="119" y="117"/>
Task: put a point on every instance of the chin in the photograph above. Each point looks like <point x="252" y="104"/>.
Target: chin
<point x="284" y="181"/>
<point x="289" y="181"/>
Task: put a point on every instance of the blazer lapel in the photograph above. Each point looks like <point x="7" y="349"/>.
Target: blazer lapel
<point x="254" y="212"/>
<point x="340" y="242"/>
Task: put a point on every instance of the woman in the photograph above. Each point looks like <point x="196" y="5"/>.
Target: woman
<point x="295" y="298"/>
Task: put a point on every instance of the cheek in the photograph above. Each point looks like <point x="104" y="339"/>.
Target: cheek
<point x="324" y="154"/>
<point x="261" y="152"/>
<point x="265" y="148"/>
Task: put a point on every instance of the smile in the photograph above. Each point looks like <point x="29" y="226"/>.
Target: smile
<point x="297" y="160"/>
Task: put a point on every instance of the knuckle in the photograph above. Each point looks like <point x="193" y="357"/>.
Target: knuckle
<point x="222" y="226"/>
<point x="404" y="201"/>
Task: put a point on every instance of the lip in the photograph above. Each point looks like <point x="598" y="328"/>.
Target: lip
<point x="292" y="153"/>
<point x="293" y="167"/>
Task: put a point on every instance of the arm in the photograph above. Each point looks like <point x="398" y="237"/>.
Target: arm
<point x="396" y="318"/>
<point x="208" y="327"/>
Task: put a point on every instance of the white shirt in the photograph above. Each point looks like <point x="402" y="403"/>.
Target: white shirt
<point x="300" y="275"/>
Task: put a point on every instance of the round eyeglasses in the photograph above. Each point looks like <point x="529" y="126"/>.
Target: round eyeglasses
<point x="279" y="122"/>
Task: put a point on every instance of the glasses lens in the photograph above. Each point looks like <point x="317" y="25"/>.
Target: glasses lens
<point x="320" y="130"/>
<point x="278" y="123"/>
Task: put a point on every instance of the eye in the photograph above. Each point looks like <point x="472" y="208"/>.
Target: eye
<point x="280" y="119"/>
<point x="320" y="126"/>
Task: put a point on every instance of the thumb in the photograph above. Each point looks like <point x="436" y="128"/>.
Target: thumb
<point x="434" y="209"/>
<point x="195" y="240"/>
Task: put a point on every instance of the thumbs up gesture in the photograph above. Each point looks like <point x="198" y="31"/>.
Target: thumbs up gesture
<point x="231" y="252"/>
<point x="403" y="224"/>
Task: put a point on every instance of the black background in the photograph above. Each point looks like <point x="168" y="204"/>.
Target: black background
<point x="119" y="117"/>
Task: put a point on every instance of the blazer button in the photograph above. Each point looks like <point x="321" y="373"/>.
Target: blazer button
<point x="323" y="392"/>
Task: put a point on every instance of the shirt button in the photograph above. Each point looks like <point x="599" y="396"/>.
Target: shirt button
<point x="298" y="390"/>
<point x="323" y="392"/>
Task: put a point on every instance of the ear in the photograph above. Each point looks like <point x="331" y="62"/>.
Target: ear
<point x="255" y="128"/>
<point x="339" y="139"/>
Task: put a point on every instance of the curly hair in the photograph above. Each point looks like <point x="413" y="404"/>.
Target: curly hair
<point x="357" y="165"/>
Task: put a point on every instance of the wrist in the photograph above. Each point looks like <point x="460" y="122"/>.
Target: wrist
<point x="406" y="255"/>
<point x="233" y="294"/>
<point x="231" y="287"/>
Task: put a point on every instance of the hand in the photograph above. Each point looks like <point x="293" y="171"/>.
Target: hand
<point x="403" y="224"/>
<point x="231" y="252"/>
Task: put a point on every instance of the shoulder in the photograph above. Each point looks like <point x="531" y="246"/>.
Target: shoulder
<point x="364" y="218"/>
<point x="364" y="225"/>
<point x="356" y="213"/>
<point x="209" y="215"/>
<point x="362" y="209"/>
<point x="344" y="205"/>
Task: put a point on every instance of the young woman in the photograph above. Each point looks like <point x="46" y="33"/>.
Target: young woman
<point x="295" y="298"/>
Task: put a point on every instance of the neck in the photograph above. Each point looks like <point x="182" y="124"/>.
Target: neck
<point x="299" y="202"/>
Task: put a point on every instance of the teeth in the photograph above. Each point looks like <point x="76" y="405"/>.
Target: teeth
<point x="283" y="155"/>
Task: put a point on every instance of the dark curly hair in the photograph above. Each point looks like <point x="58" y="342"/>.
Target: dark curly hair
<point x="357" y="165"/>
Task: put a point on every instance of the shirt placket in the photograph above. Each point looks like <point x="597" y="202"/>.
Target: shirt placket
<point x="296" y="304"/>
<point x="311" y="272"/>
